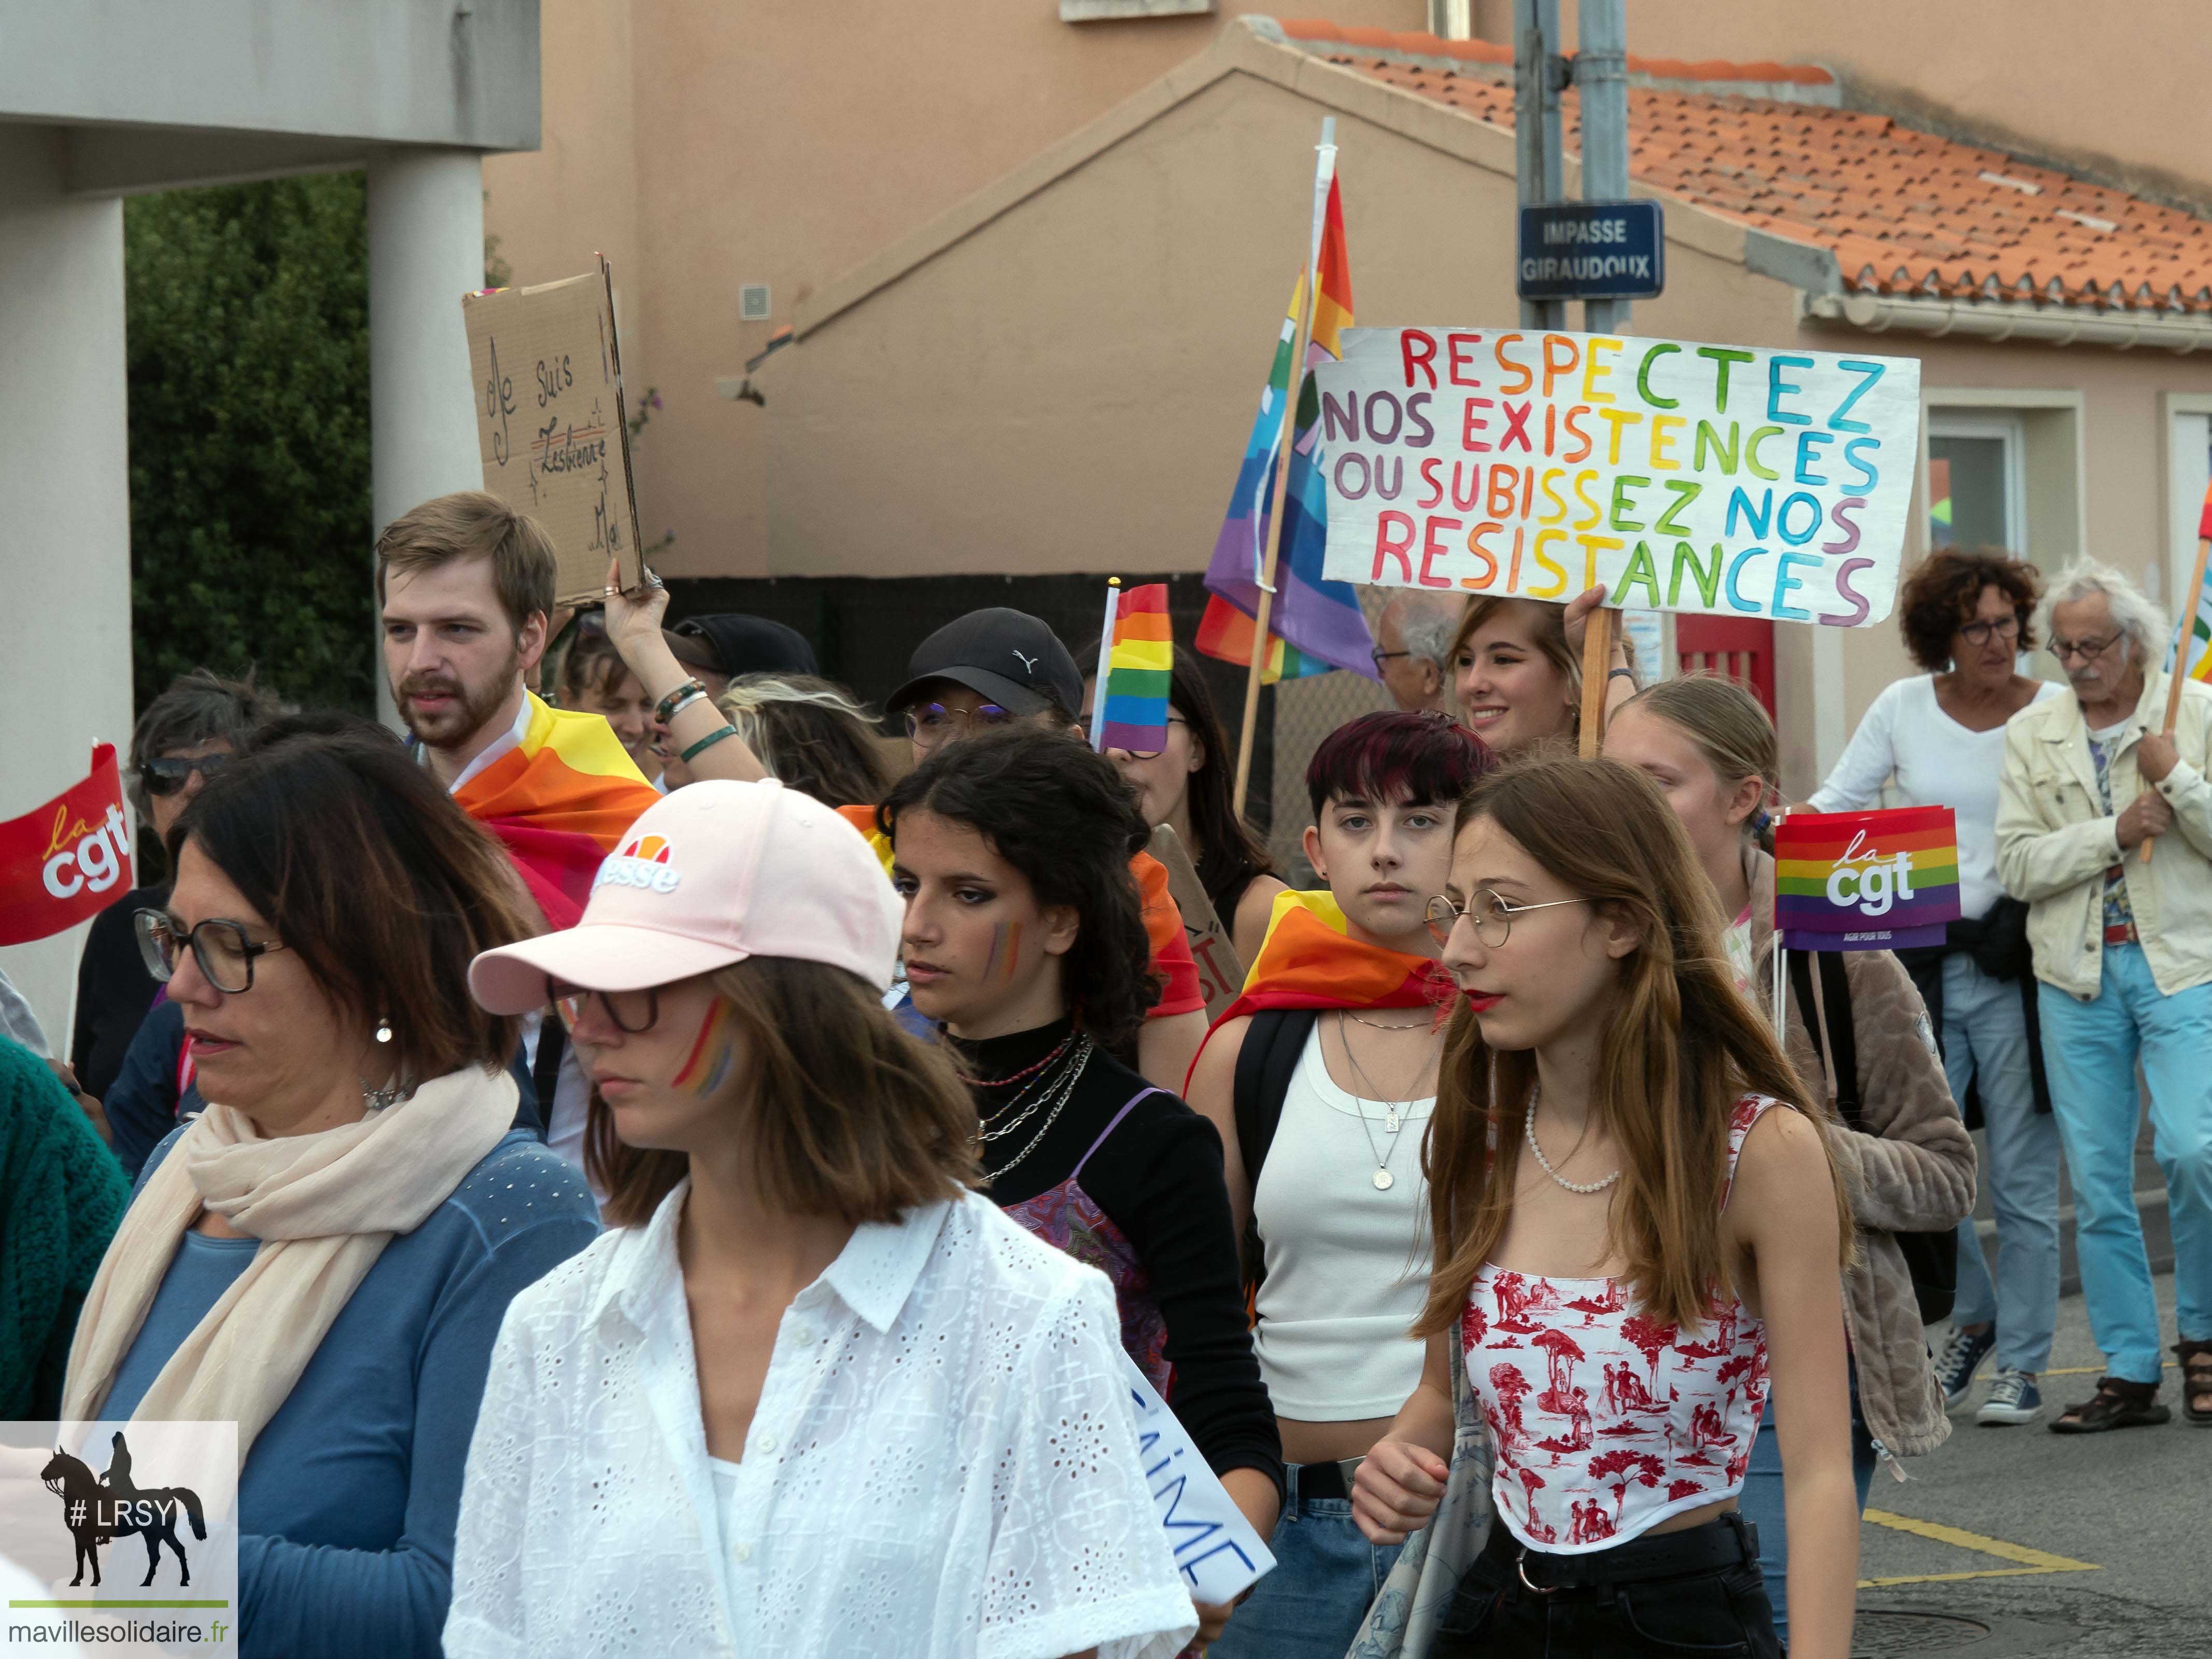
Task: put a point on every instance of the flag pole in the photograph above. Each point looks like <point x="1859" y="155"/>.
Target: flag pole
<point x="1105" y="659"/>
<point x="1309" y="297"/>
<point x="2173" y="683"/>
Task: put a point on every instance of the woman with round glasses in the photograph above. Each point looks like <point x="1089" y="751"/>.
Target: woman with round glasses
<point x="1940" y="735"/>
<point x="813" y="1396"/>
<point x="1190" y="785"/>
<point x="323" y="1254"/>
<point x="1636" y="1224"/>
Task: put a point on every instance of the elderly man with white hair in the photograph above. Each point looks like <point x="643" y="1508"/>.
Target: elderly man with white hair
<point x="1413" y="638"/>
<point x="2105" y="828"/>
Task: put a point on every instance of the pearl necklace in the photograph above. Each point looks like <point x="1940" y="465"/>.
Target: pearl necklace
<point x="1529" y="1123"/>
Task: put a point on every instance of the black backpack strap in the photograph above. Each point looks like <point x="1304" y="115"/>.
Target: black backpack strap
<point x="1273" y="1044"/>
<point x="1836" y="1029"/>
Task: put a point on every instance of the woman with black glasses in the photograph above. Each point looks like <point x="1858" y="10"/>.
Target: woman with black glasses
<point x="1941" y="735"/>
<point x="324" y="1255"/>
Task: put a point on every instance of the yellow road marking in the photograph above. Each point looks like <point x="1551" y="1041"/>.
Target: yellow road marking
<point x="2032" y="1561"/>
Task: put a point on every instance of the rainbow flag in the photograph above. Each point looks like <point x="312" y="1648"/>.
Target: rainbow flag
<point x="1309" y="960"/>
<point x="2193" y="633"/>
<point x="1866" y="881"/>
<point x="1314" y="624"/>
<point x="1141" y="657"/>
<point x="559" y="802"/>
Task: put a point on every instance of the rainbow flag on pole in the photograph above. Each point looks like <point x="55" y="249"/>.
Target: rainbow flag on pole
<point x="2193" y="634"/>
<point x="1866" y="881"/>
<point x="1315" y="624"/>
<point x="1140" y="659"/>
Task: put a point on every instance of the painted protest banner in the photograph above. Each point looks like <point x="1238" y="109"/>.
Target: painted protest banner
<point x="64" y="862"/>
<point x="1866" y="881"/>
<point x="1734" y="480"/>
<point x="1215" y="1549"/>
<point x="1220" y="973"/>
<point x="550" y="423"/>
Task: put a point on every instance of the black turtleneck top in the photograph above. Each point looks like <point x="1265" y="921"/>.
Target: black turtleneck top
<point x="1158" y="1179"/>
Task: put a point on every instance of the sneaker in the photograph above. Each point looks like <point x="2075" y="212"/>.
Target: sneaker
<point x="2013" y="1397"/>
<point x="1962" y="1357"/>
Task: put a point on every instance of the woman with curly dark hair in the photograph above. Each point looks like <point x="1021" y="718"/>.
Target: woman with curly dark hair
<point x="1025" y="939"/>
<point x="1965" y="615"/>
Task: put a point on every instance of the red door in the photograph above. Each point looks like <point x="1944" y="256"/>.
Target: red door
<point x="1740" y="648"/>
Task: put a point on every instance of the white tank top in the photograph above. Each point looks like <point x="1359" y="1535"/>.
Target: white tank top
<point x="1348" y="1262"/>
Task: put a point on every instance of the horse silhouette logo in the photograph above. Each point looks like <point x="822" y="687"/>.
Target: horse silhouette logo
<point x="98" y="1509"/>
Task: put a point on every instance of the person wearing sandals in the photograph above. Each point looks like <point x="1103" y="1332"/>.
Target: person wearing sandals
<point x="812" y="1396"/>
<point x="2105" y="828"/>
<point x="1710" y="749"/>
<point x="1966" y="615"/>
<point x="1025" y="942"/>
<point x="1637" y="1222"/>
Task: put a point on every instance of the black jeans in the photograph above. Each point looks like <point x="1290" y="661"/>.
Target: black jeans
<point x="1695" y="1591"/>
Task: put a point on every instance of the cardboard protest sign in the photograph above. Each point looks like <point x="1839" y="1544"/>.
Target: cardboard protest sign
<point x="1220" y="975"/>
<point x="62" y="863"/>
<point x="1217" y="1551"/>
<point x="1736" y="480"/>
<point x="550" y="423"/>
<point x="1866" y="881"/>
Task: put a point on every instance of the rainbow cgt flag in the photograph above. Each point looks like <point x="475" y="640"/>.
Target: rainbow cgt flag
<point x="1315" y="624"/>
<point x="1866" y="881"/>
<point x="1139" y="660"/>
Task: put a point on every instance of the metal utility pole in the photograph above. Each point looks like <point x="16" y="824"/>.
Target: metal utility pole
<point x="1538" y="75"/>
<point x="1601" y="77"/>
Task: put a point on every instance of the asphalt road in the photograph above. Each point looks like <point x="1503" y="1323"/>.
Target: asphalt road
<point x="2104" y="1542"/>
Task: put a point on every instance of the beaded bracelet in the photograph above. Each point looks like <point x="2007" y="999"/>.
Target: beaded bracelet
<point x="708" y="742"/>
<point x="669" y="704"/>
<point x="688" y="699"/>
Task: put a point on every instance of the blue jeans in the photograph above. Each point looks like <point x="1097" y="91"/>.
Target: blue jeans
<point x="2089" y="1053"/>
<point x="1326" y="1574"/>
<point x="1761" y="1500"/>
<point x="1986" y="1039"/>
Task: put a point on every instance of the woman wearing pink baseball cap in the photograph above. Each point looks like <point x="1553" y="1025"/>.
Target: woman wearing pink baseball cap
<point x="812" y="1395"/>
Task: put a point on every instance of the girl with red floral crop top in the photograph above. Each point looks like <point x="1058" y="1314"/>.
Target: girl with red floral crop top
<point x="1636" y="1226"/>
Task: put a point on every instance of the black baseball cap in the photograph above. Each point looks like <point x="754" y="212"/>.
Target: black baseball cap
<point x="733" y="643"/>
<point x="1008" y="656"/>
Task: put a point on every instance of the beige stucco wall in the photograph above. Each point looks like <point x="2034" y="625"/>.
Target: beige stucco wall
<point x="2119" y="85"/>
<point x="703" y="145"/>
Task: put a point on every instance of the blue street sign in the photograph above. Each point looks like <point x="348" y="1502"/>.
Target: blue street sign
<point x="1591" y="251"/>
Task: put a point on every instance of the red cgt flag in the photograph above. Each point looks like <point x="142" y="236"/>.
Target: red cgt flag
<point x="61" y="864"/>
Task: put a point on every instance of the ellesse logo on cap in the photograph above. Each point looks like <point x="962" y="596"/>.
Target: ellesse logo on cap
<point x="645" y="862"/>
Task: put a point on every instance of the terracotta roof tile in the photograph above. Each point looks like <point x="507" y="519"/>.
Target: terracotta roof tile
<point x="1903" y="211"/>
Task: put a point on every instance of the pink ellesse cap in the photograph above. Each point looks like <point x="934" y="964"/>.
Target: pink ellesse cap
<point x="710" y="875"/>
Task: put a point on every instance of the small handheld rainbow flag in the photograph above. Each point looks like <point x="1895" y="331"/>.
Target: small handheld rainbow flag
<point x="1136" y="658"/>
<point x="1866" y="881"/>
<point x="2191" y="653"/>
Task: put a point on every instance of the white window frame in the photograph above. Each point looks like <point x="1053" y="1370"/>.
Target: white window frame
<point x="2187" y="462"/>
<point x="2011" y="431"/>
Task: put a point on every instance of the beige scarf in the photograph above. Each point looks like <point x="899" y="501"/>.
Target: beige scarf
<point x="324" y="1205"/>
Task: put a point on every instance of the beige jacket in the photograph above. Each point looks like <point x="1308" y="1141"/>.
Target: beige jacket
<point x="1914" y="1172"/>
<point x="2055" y="840"/>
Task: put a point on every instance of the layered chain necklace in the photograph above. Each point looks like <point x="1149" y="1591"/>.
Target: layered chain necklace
<point x="1393" y="1119"/>
<point x="1529" y="1124"/>
<point x="1050" y="1083"/>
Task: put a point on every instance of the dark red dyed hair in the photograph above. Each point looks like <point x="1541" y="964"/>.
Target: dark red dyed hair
<point x="1420" y="759"/>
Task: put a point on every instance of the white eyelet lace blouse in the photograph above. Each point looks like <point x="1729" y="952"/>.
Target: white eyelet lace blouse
<point x="942" y="1464"/>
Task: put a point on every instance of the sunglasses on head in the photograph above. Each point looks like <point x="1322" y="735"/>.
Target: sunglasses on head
<point x="165" y="775"/>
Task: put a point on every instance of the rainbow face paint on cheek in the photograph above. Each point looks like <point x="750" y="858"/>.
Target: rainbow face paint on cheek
<point x="714" y="1054"/>
<point x="1013" y="950"/>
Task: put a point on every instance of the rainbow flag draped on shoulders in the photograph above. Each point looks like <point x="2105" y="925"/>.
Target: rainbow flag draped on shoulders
<point x="1139" y="663"/>
<point x="560" y="802"/>
<point x="1315" y="624"/>
<point x="1307" y="960"/>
